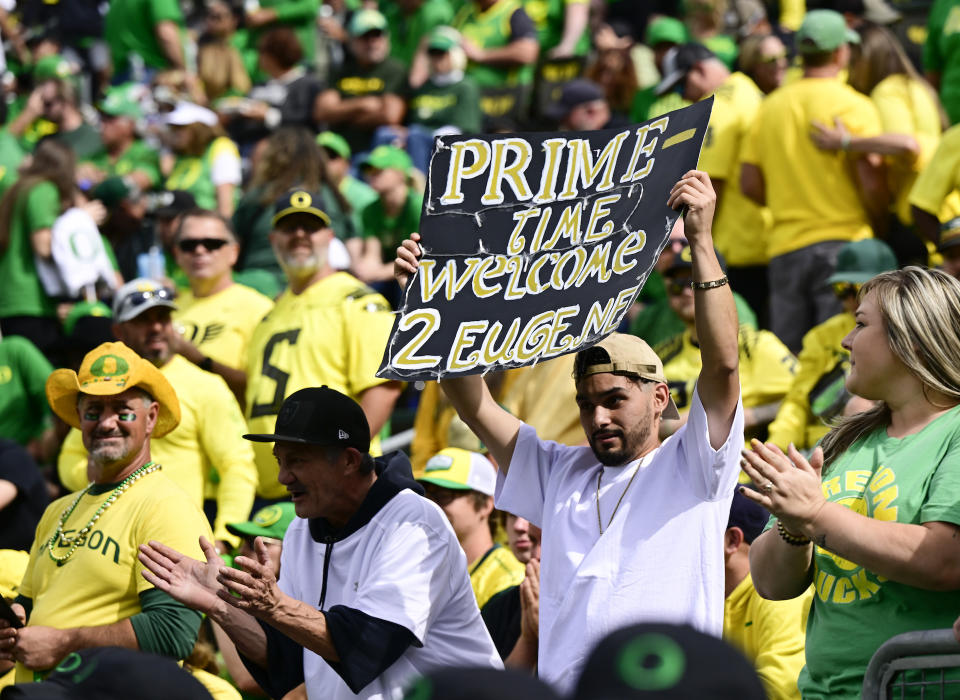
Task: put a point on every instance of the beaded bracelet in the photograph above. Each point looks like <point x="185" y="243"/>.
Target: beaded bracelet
<point x="791" y="539"/>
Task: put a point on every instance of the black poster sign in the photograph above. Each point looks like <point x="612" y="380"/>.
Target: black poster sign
<point x="536" y="244"/>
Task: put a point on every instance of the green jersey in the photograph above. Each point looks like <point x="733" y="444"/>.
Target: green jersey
<point x="392" y="230"/>
<point x="941" y="53"/>
<point x="130" y="28"/>
<point x="23" y="375"/>
<point x="456" y="105"/>
<point x="406" y="30"/>
<point x="196" y="175"/>
<point x="911" y="480"/>
<point x="359" y="194"/>
<point x="497" y="26"/>
<point x="138" y="157"/>
<point x="34" y="210"/>
<point x="549" y="16"/>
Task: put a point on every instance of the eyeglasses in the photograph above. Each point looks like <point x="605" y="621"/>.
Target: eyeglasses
<point x="190" y="245"/>
<point x="842" y="290"/>
<point x="677" y="285"/>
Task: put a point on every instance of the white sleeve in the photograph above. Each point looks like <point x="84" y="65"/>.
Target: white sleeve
<point x="522" y="491"/>
<point x="712" y="473"/>
<point x="225" y="169"/>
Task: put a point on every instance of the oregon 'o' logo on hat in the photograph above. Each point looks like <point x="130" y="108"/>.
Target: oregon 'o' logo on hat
<point x="109" y="366"/>
<point x="265" y="517"/>
<point x="301" y="199"/>
<point x="652" y="662"/>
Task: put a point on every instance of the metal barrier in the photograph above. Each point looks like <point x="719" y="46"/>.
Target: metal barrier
<point x="928" y="652"/>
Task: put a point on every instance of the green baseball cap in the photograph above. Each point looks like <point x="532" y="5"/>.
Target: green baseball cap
<point x="824" y="30"/>
<point x="335" y="142"/>
<point x="383" y="157"/>
<point x="121" y="101"/>
<point x="271" y="521"/>
<point x="83" y="309"/>
<point x="665" y="30"/>
<point x="443" y="39"/>
<point x="51" y="68"/>
<point x="111" y="191"/>
<point x="364" y="21"/>
<point x="860" y="261"/>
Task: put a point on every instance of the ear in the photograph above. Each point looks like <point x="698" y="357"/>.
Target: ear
<point x="661" y="397"/>
<point x="732" y="539"/>
<point x="233" y="252"/>
<point x="351" y="459"/>
<point x="153" y="413"/>
<point x="487" y="509"/>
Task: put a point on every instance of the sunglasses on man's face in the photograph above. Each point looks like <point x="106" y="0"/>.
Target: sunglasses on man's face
<point x="842" y="290"/>
<point x="775" y="58"/>
<point x="677" y="285"/>
<point x="190" y="245"/>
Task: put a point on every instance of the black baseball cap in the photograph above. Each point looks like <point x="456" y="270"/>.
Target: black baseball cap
<point x="319" y="416"/>
<point x="677" y="63"/>
<point x="479" y="684"/>
<point x="299" y="201"/>
<point x="666" y="662"/>
<point x="574" y="94"/>
<point x="749" y="516"/>
<point x="172" y="203"/>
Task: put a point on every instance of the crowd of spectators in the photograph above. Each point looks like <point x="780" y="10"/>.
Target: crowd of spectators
<point x="202" y="205"/>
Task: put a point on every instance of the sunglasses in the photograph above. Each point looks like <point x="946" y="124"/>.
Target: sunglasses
<point x="842" y="290"/>
<point x="436" y="53"/>
<point x="677" y="285"/>
<point x="190" y="245"/>
<point x="132" y="301"/>
<point x="775" y="58"/>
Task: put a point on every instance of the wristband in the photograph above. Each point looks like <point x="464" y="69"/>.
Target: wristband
<point x="206" y="364"/>
<point x="790" y="538"/>
<point x="712" y="284"/>
<point x="845" y="141"/>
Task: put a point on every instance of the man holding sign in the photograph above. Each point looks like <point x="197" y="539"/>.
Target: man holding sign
<point x="617" y="552"/>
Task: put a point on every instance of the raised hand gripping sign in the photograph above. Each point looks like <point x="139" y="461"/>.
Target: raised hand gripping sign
<point x="535" y="244"/>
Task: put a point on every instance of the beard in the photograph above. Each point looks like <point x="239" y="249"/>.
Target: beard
<point x="296" y="266"/>
<point x="104" y="454"/>
<point x="631" y="441"/>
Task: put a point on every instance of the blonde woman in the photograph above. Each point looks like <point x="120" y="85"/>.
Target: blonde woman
<point x="877" y="534"/>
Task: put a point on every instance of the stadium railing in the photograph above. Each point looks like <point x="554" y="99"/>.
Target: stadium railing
<point x="915" y="665"/>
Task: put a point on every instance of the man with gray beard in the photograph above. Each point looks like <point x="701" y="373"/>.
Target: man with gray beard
<point x="327" y="328"/>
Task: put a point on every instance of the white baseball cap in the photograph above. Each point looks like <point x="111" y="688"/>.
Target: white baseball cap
<point x="461" y="470"/>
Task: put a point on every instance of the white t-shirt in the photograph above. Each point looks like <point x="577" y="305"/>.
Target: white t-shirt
<point x="404" y="566"/>
<point x="660" y="559"/>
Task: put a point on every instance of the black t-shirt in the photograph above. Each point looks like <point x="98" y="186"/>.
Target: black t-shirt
<point x="18" y="521"/>
<point x="352" y="80"/>
<point x="502" y="615"/>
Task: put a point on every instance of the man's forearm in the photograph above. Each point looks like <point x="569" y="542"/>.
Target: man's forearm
<point x="303" y="624"/>
<point x="118" y="634"/>
<point x="168" y="34"/>
<point x="516" y="53"/>
<point x="244" y="631"/>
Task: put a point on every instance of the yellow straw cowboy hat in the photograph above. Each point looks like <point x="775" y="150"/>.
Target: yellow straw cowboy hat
<point x="111" y="369"/>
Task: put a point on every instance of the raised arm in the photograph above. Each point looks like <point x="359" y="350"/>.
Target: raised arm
<point x="716" y="315"/>
<point x="495" y="426"/>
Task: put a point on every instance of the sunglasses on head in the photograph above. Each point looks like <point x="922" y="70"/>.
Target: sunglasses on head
<point x="139" y="298"/>
<point x="677" y="285"/>
<point x="190" y="245"/>
<point x="842" y="290"/>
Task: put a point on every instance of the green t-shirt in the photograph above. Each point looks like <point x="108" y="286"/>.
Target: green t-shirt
<point x="11" y="156"/>
<point x="84" y="141"/>
<point x="549" y="16"/>
<point x="456" y="105"/>
<point x="495" y="28"/>
<point x="138" y="157"/>
<point x="352" y="80"/>
<point x="941" y="53"/>
<point x="392" y="230"/>
<point x="23" y="294"/>
<point x="406" y="30"/>
<point x="130" y="28"/>
<point x="359" y="194"/>
<point x="23" y="375"/>
<point x="912" y="480"/>
<point x="657" y="323"/>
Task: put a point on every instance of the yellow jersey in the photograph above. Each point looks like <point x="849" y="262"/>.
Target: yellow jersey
<point x="333" y="333"/>
<point x="766" y="367"/>
<point x="205" y="447"/>
<point x="740" y="227"/>
<point x="821" y="352"/>
<point x="101" y="583"/>
<point x="221" y="324"/>
<point x="813" y="195"/>
<point x="495" y="571"/>
<point x="545" y="396"/>
<point x="771" y="634"/>
<point x="936" y="188"/>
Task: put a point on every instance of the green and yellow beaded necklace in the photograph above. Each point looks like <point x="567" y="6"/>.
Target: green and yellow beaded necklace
<point x="77" y="540"/>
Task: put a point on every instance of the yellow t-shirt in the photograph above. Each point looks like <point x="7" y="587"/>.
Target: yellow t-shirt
<point x="771" y="634"/>
<point x="206" y="446"/>
<point x="936" y="188"/>
<point x="495" y="571"/>
<point x="221" y="324"/>
<point x="219" y="688"/>
<point x="812" y="194"/>
<point x="545" y="396"/>
<point x="907" y="106"/>
<point x="100" y="584"/>
<point x="766" y="367"/>
<point x="334" y="333"/>
<point x="740" y="227"/>
<point x="820" y="353"/>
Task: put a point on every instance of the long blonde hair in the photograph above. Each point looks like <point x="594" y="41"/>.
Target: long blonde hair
<point x="921" y="315"/>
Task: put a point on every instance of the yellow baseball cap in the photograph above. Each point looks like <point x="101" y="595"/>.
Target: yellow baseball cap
<point x="461" y="470"/>
<point x="13" y="564"/>
<point x="110" y="369"/>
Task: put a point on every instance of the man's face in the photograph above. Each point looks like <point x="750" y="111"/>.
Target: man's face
<point x="523" y="538"/>
<point x="114" y="428"/>
<point x="314" y="482"/>
<point x="617" y="416"/>
<point x="300" y="242"/>
<point x="114" y="130"/>
<point x="148" y="334"/>
<point x="370" y="48"/>
<point x="680" y="294"/>
<point x="206" y="250"/>
<point x="52" y="101"/>
<point x="385" y="180"/>
<point x="460" y="508"/>
<point x="771" y="67"/>
<point x="588" y="116"/>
